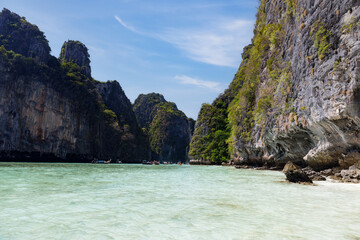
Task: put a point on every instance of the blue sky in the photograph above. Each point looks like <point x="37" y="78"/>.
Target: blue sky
<point x="187" y="50"/>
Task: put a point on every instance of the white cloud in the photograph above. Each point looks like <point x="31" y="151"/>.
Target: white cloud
<point x="219" y="43"/>
<point x="186" y="80"/>
<point x="125" y="25"/>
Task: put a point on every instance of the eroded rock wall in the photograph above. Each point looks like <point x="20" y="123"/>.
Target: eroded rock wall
<point x="296" y="94"/>
<point x="76" y="52"/>
<point x="35" y="118"/>
<point x="168" y="129"/>
<point x="53" y="110"/>
<point x="322" y="43"/>
<point x="22" y="37"/>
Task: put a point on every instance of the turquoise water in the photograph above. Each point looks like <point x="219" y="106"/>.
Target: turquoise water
<point x="85" y="201"/>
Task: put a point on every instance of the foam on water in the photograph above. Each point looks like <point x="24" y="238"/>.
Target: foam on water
<point x="84" y="201"/>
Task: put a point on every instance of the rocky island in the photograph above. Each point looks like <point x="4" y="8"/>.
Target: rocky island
<point x="293" y="107"/>
<point x="295" y="96"/>
<point x="294" y="100"/>
<point x="168" y="128"/>
<point x="51" y="109"/>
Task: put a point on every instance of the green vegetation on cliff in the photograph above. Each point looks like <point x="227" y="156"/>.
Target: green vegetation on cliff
<point x="168" y="129"/>
<point x="67" y="78"/>
<point x="90" y="123"/>
<point x="293" y="93"/>
<point x="23" y="37"/>
<point x="212" y="131"/>
<point x="351" y="26"/>
<point x="244" y="105"/>
<point x="321" y="38"/>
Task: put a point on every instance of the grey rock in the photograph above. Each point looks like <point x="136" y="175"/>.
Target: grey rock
<point x="115" y="99"/>
<point x="168" y="128"/>
<point x="22" y="37"/>
<point x="353" y="168"/>
<point x="199" y="162"/>
<point x="295" y="173"/>
<point x="290" y="167"/>
<point x="46" y="116"/>
<point x="327" y="172"/>
<point x="317" y="178"/>
<point x="322" y="129"/>
<point x="297" y="176"/>
<point x="76" y="52"/>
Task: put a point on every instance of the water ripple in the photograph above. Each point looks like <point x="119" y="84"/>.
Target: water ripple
<point x="84" y="201"/>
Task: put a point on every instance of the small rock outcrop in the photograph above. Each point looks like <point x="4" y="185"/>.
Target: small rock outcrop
<point x="295" y="174"/>
<point x="351" y="175"/>
<point x="168" y="129"/>
<point x="22" y="37"/>
<point x="315" y="175"/>
<point x="289" y="166"/>
<point x="76" y="52"/>
<point x="199" y="162"/>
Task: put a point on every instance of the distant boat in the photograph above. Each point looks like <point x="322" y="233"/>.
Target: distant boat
<point x="102" y="161"/>
<point x="147" y="162"/>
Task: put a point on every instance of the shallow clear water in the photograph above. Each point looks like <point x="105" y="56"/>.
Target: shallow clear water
<point x="85" y="201"/>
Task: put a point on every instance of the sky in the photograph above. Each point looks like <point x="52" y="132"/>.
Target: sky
<point x="187" y="50"/>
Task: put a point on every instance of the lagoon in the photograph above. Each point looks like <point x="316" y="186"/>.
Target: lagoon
<point x="105" y="201"/>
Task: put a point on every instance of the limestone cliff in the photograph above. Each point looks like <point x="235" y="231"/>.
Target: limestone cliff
<point x="22" y="37"/>
<point x="296" y="94"/>
<point x="76" y="52"/>
<point x="115" y="99"/>
<point x="168" y="128"/>
<point x="52" y="110"/>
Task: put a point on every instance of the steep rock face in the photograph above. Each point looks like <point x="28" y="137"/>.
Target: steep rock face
<point x="37" y="117"/>
<point x="144" y="108"/>
<point x="169" y="130"/>
<point x="296" y="94"/>
<point x="211" y="132"/>
<point x="53" y="112"/>
<point x="76" y="52"/>
<point x="115" y="99"/>
<point x="22" y="37"/>
<point x="192" y="123"/>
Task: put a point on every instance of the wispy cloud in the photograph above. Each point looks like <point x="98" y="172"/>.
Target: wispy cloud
<point x="186" y="80"/>
<point x="126" y="25"/>
<point x="219" y="43"/>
